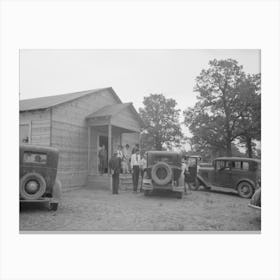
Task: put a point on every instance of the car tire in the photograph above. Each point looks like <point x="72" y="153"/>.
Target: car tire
<point x="245" y="189"/>
<point x="194" y="186"/>
<point x="147" y="192"/>
<point x="38" y="179"/>
<point x="179" y="195"/>
<point x="53" y="206"/>
<point x="155" y="177"/>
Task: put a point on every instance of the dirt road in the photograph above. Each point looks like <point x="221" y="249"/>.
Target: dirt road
<point x="96" y="210"/>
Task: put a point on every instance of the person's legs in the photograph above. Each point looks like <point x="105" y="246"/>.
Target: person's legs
<point x="113" y="184"/>
<point x="102" y="166"/>
<point x="125" y="167"/>
<point x="117" y="183"/>
<point x="136" y="177"/>
<point x="142" y="175"/>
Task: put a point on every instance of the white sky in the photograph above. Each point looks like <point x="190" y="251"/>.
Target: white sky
<point x="133" y="74"/>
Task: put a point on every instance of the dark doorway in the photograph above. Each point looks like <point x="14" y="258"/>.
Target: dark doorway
<point x="103" y="140"/>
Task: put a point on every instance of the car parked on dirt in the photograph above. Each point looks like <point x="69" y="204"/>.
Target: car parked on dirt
<point x="255" y="201"/>
<point x="241" y="174"/>
<point x="38" y="169"/>
<point x="164" y="172"/>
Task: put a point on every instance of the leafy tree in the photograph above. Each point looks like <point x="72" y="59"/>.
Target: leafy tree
<point x="216" y="119"/>
<point x="161" y="122"/>
<point x="249" y="123"/>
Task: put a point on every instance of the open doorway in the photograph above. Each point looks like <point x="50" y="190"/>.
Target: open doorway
<point x="103" y="140"/>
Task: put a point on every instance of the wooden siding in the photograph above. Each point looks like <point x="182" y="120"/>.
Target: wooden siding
<point x="70" y="136"/>
<point x="126" y="119"/>
<point x="40" y="126"/>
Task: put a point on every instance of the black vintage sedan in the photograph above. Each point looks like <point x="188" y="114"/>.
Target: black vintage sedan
<point x="38" y="169"/>
<point x="241" y="174"/>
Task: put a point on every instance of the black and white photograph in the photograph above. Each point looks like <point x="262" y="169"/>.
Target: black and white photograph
<point x="140" y="140"/>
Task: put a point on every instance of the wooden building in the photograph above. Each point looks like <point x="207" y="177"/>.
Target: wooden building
<point x="78" y="124"/>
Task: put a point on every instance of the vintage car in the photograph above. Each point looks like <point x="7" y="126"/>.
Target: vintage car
<point x="255" y="201"/>
<point x="241" y="174"/>
<point x="38" y="168"/>
<point x="164" y="172"/>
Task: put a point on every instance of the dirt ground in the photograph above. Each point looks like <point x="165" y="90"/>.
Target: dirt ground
<point x="98" y="210"/>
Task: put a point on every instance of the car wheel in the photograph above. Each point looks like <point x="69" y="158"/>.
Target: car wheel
<point x="180" y="195"/>
<point x="32" y="186"/>
<point x="245" y="190"/>
<point x="53" y="206"/>
<point x="161" y="173"/>
<point x="194" y="186"/>
<point x="146" y="192"/>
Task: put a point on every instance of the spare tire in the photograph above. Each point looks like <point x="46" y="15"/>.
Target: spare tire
<point x="161" y="173"/>
<point x="32" y="186"/>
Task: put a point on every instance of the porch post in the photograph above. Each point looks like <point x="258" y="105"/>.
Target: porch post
<point x="89" y="147"/>
<point x="109" y="143"/>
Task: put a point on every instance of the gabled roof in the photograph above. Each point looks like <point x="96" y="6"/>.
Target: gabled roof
<point x="54" y="100"/>
<point x="111" y="110"/>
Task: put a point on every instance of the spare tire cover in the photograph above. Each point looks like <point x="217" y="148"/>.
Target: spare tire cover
<point x="161" y="173"/>
<point x="32" y="186"/>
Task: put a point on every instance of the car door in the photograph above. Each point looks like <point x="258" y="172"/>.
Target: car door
<point x="222" y="173"/>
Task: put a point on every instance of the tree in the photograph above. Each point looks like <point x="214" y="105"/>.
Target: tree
<point x="161" y="121"/>
<point x="249" y="123"/>
<point x="215" y="120"/>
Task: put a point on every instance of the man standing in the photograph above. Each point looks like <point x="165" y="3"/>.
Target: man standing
<point x="186" y="172"/>
<point x="135" y="161"/>
<point x="115" y="166"/>
<point x="102" y="155"/>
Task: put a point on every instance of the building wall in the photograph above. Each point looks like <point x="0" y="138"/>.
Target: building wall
<point x="39" y="124"/>
<point x="70" y="135"/>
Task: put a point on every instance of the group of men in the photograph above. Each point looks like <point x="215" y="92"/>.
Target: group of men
<point x="122" y="162"/>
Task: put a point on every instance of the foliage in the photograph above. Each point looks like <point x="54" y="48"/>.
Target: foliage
<point x="161" y="128"/>
<point x="227" y="108"/>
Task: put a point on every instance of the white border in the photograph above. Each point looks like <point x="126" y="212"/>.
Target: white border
<point x="201" y="24"/>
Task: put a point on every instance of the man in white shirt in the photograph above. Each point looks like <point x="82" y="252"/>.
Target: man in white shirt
<point x="135" y="162"/>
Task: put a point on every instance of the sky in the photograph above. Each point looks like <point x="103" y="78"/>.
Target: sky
<point x="133" y="74"/>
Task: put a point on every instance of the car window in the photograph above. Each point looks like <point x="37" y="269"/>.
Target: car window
<point x="245" y="165"/>
<point x="192" y="162"/>
<point x="31" y="157"/>
<point x="169" y="159"/>
<point x="236" y="165"/>
<point x="222" y="164"/>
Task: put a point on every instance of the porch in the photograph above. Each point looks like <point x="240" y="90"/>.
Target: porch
<point x="111" y="126"/>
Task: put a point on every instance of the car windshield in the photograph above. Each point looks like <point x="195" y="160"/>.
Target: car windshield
<point x="172" y="159"/>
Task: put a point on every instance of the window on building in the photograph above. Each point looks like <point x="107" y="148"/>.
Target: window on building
<point x="24" y="133"/>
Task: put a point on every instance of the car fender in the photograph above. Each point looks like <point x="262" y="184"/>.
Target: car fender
<point x="57" y="190"/>
<point x="246" y="180"/>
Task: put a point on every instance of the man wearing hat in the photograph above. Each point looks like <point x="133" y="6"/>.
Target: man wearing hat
<point x="115" y="166"/>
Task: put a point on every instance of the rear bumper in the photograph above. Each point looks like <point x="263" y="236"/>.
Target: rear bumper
<point x="149" y="186"/>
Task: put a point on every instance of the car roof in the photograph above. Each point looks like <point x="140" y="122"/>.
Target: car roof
<point x="37" y="148"/>
<point x="239" y="158"/>
<point x="163" y="152"/>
